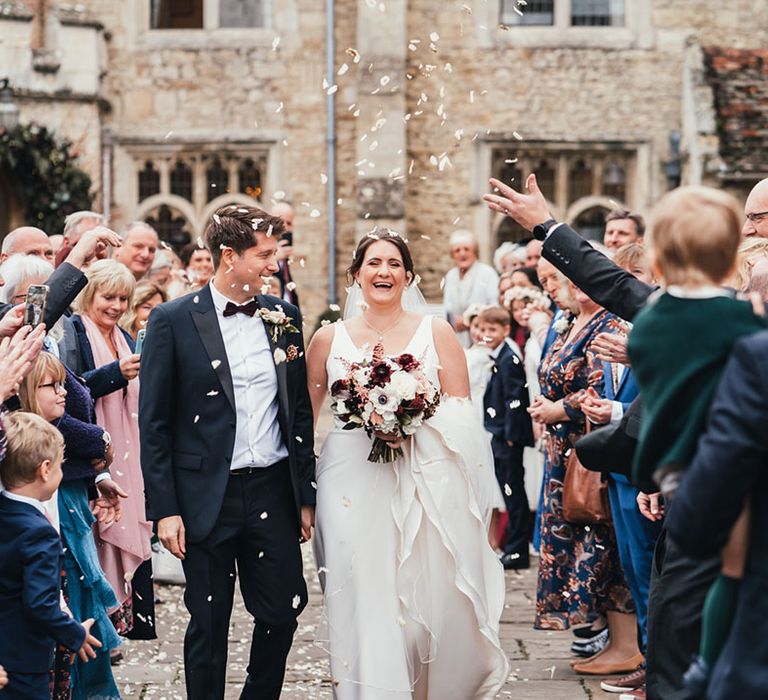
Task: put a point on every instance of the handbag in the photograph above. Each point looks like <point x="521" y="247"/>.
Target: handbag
<point x="585" y="494"/>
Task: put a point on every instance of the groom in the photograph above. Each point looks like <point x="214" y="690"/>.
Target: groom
<point x="227" y="453"/>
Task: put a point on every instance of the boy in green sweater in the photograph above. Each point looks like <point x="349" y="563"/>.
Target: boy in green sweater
<point x="678" y="348"/>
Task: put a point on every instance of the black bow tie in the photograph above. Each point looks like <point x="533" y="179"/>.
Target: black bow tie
<point x="248" y="309"/>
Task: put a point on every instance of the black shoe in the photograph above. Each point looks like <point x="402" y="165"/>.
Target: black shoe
<point x="589" y="647"/>
<point x="585" y="632"/>
<point x="515" y="561"/>
<point x="696" y="678"/>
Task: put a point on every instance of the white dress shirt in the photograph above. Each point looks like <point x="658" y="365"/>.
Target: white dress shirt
<point x="258" y="440"/>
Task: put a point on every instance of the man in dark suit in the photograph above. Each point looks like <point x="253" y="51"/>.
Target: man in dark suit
<point x="729" y="468"/>
<point x="506" y="418"/>
<point x="227" y="453"/>
<point x="679" y="583"/>
<point x="285" y="253"/>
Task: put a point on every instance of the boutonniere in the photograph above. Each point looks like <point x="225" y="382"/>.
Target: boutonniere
<point x="562" y="324"/>
<point x="277" y="322"/>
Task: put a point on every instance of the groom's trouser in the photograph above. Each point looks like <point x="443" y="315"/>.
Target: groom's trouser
<point x="257" y="536"/>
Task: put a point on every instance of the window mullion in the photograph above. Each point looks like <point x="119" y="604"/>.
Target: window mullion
<point x="211" y="14"/>
<point x="563" y="13"/>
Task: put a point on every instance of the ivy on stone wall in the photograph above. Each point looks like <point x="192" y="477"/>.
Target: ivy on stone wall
<point x="44" y="175"/>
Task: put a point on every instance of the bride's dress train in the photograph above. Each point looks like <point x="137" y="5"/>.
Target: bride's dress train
<point x="413" y="591"/>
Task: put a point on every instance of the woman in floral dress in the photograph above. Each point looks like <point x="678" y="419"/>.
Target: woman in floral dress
<point x="580" y="576"/>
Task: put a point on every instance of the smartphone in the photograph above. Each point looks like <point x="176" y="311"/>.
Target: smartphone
<point x="287" y="238"/>
<point x="37" y="298"/>
<point x="140" y="340"/>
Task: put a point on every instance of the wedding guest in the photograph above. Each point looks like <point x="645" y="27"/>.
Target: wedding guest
<point x="694" y="242"/>
<point x="751" y="251"/>
<point x="727" y="469"/>
<point x="161" y="272"/>
<point x="579" y="572"/>
<point x="26" y="240"/>
<point x="140" y="243"/>
<point x="146" y="297"/>
<point x="505" y="283"/>
<point x="635" y="535"/>
<point x="470" y="282"/>
<point x="285" y="253"/>
<point x="31" y="616"/>
<point x="526" y="277"/>
<point x="198" y="265"/>
<point x="86" y="447"/>
<point x="75" y="226"/>
<point x="532" y="253"/>
<point x="622" y="227"/>
<point x="756" y="211"/>
<point x="107" y="362"/>
<point x="506" y="402"/>
<point x="502" y="257"/>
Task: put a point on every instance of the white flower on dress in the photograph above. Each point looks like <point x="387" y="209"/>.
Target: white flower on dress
<point x="562" y="324"/>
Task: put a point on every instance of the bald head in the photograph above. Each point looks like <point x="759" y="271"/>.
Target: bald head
<point x="27" y="240"/>
<point x="756" y="211"/>
<point x="285" y="212"/>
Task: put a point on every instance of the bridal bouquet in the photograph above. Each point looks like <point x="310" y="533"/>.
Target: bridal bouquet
<point x="381" y="394"/>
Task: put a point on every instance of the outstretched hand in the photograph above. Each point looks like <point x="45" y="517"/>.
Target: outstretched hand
<point x="527" y="209"/>
<point x="87" y="651"/>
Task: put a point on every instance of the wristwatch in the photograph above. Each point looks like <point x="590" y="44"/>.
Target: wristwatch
<point x="540" y="231"/>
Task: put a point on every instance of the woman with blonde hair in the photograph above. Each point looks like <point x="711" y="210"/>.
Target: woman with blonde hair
<point x="110" y="367"/>
<point x="750" y="251"/>
<point x="146" y="297"/>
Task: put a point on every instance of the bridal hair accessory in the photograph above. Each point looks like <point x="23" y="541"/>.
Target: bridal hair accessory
<point x="277" y="322"/>
<point x="528" y="294"/>
<point x="384" y="395"/>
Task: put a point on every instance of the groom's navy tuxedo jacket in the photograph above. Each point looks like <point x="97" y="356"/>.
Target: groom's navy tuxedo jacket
<point x="187" y="412"/>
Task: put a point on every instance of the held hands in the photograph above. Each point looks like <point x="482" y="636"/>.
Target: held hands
<point x="527" y="209"/>
<point x="307" y="523"/>
<point x="129" y="366"/>
<point x="87" y="651"/>
<point x="170" y="530"/>
<point x="650" y="506"/>
<point x="542" y="410"/>
<point x="597" y="410"/>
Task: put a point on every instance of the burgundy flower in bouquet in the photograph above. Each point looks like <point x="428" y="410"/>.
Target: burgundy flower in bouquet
<point x="384" y="395"/>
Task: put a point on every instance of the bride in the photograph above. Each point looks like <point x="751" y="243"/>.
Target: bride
<point x="413" y="592"/>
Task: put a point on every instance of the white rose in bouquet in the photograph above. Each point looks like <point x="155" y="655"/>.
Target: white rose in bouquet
<point x="403" y="385"/>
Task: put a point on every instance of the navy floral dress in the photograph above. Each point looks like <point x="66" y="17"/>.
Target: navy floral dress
<point x="580" y="574"/>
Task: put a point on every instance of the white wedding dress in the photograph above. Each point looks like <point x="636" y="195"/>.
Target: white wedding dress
<point x="413" y="592"/>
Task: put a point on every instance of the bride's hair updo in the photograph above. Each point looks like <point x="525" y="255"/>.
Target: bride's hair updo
<point x="380" y="233"/>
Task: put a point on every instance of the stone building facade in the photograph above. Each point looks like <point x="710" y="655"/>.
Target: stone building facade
<point x="179" y="106"/>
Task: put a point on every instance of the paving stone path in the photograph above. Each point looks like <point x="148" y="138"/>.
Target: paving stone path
<point x="539" y="661"/>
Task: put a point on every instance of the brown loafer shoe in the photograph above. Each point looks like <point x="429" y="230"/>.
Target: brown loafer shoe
<point x="631" y="681"/>
<point x="598" y="668"/>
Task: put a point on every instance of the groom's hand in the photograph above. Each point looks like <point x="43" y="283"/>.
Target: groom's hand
<point x="307" y="522"/>
<point x="170" y="530"/>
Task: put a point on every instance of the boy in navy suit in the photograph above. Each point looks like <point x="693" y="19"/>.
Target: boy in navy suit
<point x="31" y="617"/>
<point x="506" y="419"/>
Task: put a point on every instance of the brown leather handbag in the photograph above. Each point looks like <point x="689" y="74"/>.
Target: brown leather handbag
<point x="585" y="494"/>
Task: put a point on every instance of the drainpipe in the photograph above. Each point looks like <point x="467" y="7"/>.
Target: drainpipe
<point x="330" y="140"/>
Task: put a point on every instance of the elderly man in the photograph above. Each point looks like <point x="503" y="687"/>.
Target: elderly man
<point x="622" y="227"/>
<point x="75" y="225"/>
<point x="756" y="211"/>
<point x="27" y="240"/>
<point x="470" y="282"/>
<point x="140" y="242"/>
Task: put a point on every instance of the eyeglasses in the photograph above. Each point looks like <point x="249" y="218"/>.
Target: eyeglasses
<point x="757" y="216"/>
<point x="57" y="387"/>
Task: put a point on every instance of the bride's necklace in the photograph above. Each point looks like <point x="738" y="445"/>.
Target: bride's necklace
<point x="379" y="333"/>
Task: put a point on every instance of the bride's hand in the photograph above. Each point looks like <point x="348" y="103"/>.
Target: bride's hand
<point x="394" y="440"/>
